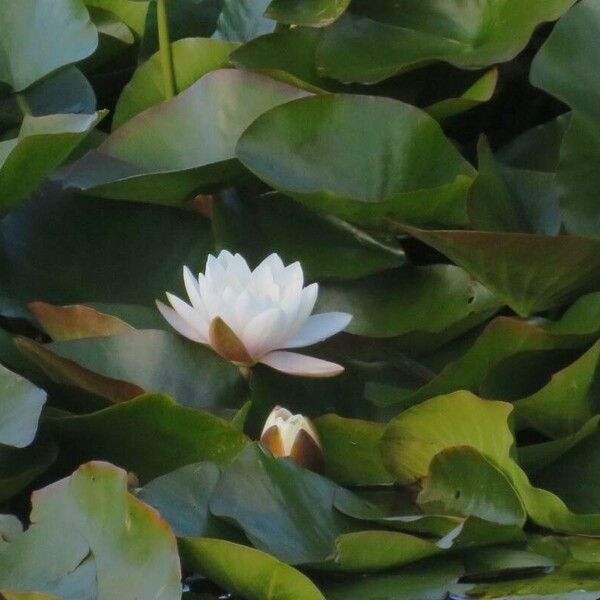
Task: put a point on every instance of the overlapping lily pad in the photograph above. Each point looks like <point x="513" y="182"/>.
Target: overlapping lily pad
<point x="380" y="39"/>
<point x="30" y="47"/>
<point x="171" y="151"/>
<point x="363" y="159"/>
<point x="133" y="550"/>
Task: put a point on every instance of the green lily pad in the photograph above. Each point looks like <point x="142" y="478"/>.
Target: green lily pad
<point x="21" y="403"/>
<point x="566" y="403"/>
<point x="380" y="39"/>
<point x="428" y="299"/>
<point x="255" y="228"/>
<point x="531" y="273"/>
<point x="506" y="339"/>
<point x="412" y="439"/>
<point x="256" y="576"/>
<point x="310" y="13"/>
<point x="42" y="145"/>
<point x="480" y="92"/>
<point x="272" y="500"/>
<point x="131" y="12"/>
<point x="150" y="435"/>
<point x="360" y="158"/>
<point x="171" y="151"/>
<point x="192" y="373"/>
<point x="30" y="48"/>
<point x="192" y="58"/>
<point x="461" y="481"/>
<point x="182" y="496"/>
<point x="243" y="20"/>
<point x="351" y="450"/>
<point x="90" y="512"/>
<point x="132" y="239"/>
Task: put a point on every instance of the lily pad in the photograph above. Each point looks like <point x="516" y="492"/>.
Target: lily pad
<point x="531" y="273"/>
<point x="42" y="145"/>
<point x="21" y="403"/>
<point x="243" y="20"/>
<point x="192" y="58"/>
<point x="30" y="47"/>
<point x="361" y="158"/>
<point x="380" y="39"/>
<point x="150" y="435"/>
<point x="171" y="151"/>
<point x="310" y="13"/>
<point x="257" y="575"/>
<point x="134" y="551"/>
<point x="257" y="227"/>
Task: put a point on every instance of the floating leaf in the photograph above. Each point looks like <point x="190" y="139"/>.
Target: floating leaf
<point x="30" y="46"/>
<point x="272" y="500"/>
<point x="310" y="13"/>
<point x="133" y="549"/>
<point x="150" y="435"/>
<point x="360" y="158"/>
<point x="21" y="403"/>
<point x="257" y="576"/>
<point x="481" y="91"/>
<point x="42" y="145"/>
<point x="255" y="228"/>
<point x="131" y="12"/>
<point x="243" y="20"/>
<point x="429" y="299"/>
<point x="192" y="58"/>
<point x="171" y="151"/>
<point x="182" y="496"/>
<point x="351" y="450"/>
<point x="75" y="321"/>
<point x="531" y="273"/>
<point x="381" y="39"/>
<point x="192" y="373"/>
<point x="132" y="239"/>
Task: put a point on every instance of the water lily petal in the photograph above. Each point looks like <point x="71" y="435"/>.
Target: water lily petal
<point x="179" y="325"/>
<point x="262" y="334"/>
<point x="193" y="318"/>
<point x="318" y="328"/>
<point x="299" y="364"/>
<point x="193" y="292"/>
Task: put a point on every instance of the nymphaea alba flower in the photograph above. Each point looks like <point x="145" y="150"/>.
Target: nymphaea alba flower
<point x="251" y="317"/>
<point x="286" y="434"/>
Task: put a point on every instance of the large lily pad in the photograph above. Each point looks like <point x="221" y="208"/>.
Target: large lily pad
<point x="171" y="151"/>
<point x="412" y="440"/>
<point x="380" y="39"/>
<point x="257" y="576"/>
<point x="30" y="47"/>
<point x="257" y="491"/>
<point x="564" y="63"/>
<point x="503" y="339"/>
<point x="133" y="549"/>
<point x="150" y="435"/>
<point x="192" y="373"/>
<point x="42" y="145"/>
<point x="428" y="299"/>
<point x="531" y="273"/>
<point x="111" y="263"/>
<point x="192" y="58"/>
<point x="361" y="158"/>
<point x="257" y="227"/>
<point x="21" y="403"/>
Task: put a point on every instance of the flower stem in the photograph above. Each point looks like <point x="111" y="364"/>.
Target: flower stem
<point x="164" y="48"/>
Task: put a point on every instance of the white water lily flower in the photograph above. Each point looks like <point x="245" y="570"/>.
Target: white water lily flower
<point x="251" y="317"/>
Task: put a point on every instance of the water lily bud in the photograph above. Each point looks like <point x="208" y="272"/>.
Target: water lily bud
<point x="286" y="434"/>
<point x="251" y="317"/>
